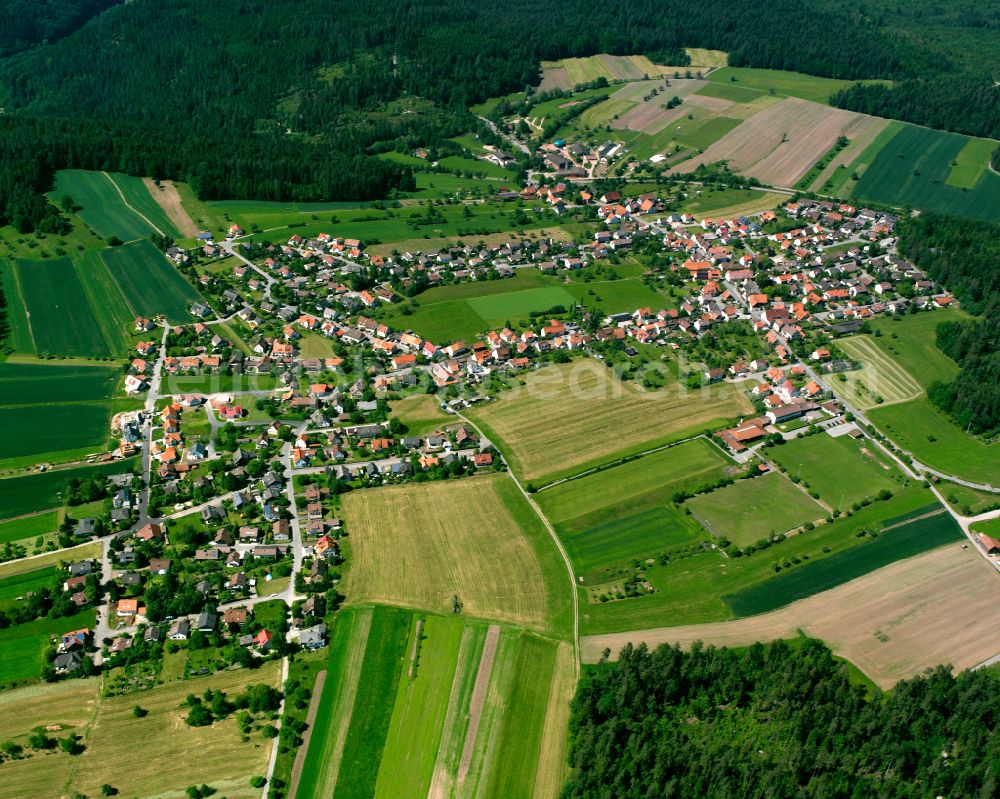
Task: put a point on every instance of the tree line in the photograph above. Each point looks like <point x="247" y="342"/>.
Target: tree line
<point x="289" y="99"/>
<point x="964" y="256"/>
<point x="777" y="721"/>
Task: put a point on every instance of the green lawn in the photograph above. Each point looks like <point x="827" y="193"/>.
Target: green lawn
<point x="841" y="470"/>
<point x="689" y="590"/>
<point x="968" y="501"/>
<point x="462" y="310"/>
<point x="901" y="542"/>
<point x="40" y="491"/>
<point x="498" y="307"/>
<point x="616" y="296"/>
<point x="730" y="91"/>
<point x="150" y="283"/>
<point x="211" y="384"/>
<point x="23" y="646"/>
<point x="749" y="510"/>
<point x="990" y="527"/>
<point x="17" y="585"/>
<point x="791" y="84"/>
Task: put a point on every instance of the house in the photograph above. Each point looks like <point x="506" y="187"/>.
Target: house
<point x="86" y="528"/>
<point x="180" y="631"/>
<point x="206" y="621"/>
<point x="68" y="662"/>
<point x="262" y="640"/>
<point x="159" y="565"/>
<point x="235" y="616"/>
<point x="314" y="637"/>
<point x="127" y="607"/>
<point x="991" y="544"/>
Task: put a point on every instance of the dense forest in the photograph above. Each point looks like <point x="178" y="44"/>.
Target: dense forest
<point x="262" y="84"/>
<point x="26" y="23"/>
<point x="964" y="257"/>
<point x="775" y="721"/>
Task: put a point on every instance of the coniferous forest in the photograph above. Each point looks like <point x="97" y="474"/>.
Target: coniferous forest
<point x="289" y="100"/>
<point x="779" y="722"/>
<point x="964" y="257"/>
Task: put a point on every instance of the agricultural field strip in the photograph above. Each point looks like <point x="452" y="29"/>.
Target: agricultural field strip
<point x="478" y="699"/>
<point x="880" y="375"/>
<point x="323" y="767"/>
<point x="892" y="623"/>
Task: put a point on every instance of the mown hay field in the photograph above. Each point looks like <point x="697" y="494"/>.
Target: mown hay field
<point x="879" y="381"/>
<point x="892" y="623"/>
<point x="420" y="545"/>
<point x="570" y="417"/>
<point x="438" y="706"/>
<point x="213" y="755"/>
<point x="612" y="517"/>
<point x="790" y="84"/>
<point x="936" y="441"/>
<point x="782" y="142"/>
<point x="840" y="469"/>
<point x="150" y="283"/>
<point x="749" y="510"/>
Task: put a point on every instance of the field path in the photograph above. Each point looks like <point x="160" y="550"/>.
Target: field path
<point x="27" y="313"/>
<point x="478" y="699"/>
<point x="132" y="208"/>
<point x="169" y="200"/>
<point x="300" y="755"/>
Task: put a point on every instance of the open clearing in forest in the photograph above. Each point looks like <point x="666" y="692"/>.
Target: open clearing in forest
<point x="790" y="84"/>
<point x="467" y="709"/>
<point x="892" y="623"/>
<point x="570" y="72"/>
<point x="879" y="377"/>
<point x="421" y="545"/>
<point x="215" y="755"/>
<point x="570" y="417"/>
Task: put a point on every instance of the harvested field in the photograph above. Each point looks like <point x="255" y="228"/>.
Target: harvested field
<point x="892" y="624"/>
<point x="214" y="754"/>
<point x="567" y="418"/>
<point x="710" y="103"/>
<point x="864" y="134"/>
<point x="650" y="116"/>
<point x="169" y="200"/>
<point x="780" y="143"/>
<point x="879" y="376"/>
<point x="554" y="76"/>
<point x="764" y="202"/>
<point x="622" y="67"/>
<point x="422" y="545"/>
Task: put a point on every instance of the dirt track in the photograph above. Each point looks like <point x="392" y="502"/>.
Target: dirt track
<point x="300" y="755"/>
<point x="169" y="200"/>
<point x="935" y="608"/>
